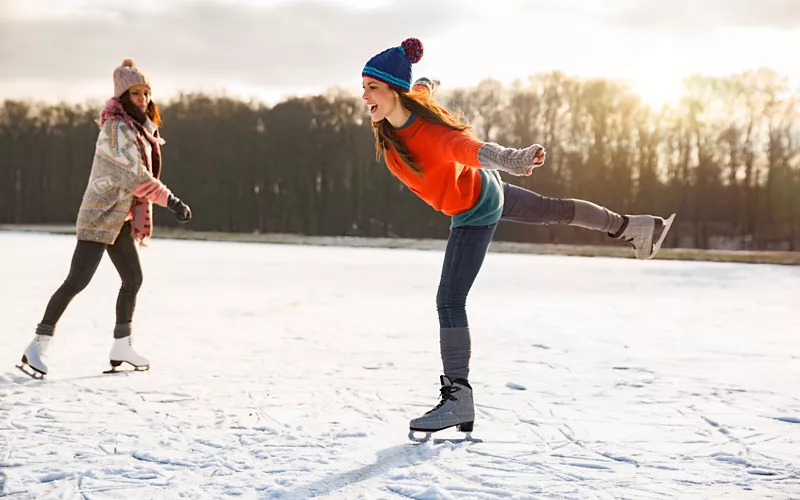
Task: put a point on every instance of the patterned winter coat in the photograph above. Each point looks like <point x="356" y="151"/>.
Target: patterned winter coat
<point x="121" y="184"/>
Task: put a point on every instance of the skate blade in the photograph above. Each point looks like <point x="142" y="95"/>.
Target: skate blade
<point x="456" y="440"/>
<point x="663" y="236"/>
<point x="32" y="373"/>
<point x="427" y="438"/>
<point x="115" y="368"/>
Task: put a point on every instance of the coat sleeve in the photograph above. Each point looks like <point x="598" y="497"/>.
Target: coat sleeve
<point x="121" y="165"/>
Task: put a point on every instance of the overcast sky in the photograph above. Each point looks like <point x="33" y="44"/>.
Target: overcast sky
<point x="67" y="49"/>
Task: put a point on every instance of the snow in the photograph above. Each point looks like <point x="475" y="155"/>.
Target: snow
<point x="291" y="372"/>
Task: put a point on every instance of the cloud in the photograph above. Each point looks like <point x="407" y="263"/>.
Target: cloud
<point x="698" y="16"/>
<point x="286" y="44"/>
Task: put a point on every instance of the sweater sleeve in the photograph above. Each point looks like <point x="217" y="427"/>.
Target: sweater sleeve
<point x="459" y="147"/>
<point x="118" y="153"/>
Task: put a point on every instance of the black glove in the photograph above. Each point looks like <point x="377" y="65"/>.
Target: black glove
<point x="181" y="210"/>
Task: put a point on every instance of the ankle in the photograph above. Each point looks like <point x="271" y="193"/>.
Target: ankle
<point x="462" y="381"/>
<point x="622" y="228"/>
<point x="122" y="330"/>
<point x="47" y="330"/>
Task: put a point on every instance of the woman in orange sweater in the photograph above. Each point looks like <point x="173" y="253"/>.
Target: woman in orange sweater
<point x="433" y="154"/>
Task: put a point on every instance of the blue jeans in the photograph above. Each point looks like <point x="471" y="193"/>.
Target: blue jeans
<point x="467" y="247"/>
<point x="463" y="258"/>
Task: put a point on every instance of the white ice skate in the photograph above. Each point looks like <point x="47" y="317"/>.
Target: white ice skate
<point x="646" y="233"/>
<point x="122" y="352"/>
<point x="33" y="359"/>
<point x="456" y="409"/>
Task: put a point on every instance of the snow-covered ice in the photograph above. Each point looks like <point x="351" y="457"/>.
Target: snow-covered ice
<point x="291" y="372"/>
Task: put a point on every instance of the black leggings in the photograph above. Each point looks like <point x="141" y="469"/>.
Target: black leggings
<point x="85" y="260"/>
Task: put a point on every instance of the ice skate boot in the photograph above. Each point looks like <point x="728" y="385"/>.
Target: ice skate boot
<point x="456" y="409"/>
<point x="122" y="352"/>
<point x="33" y="359"/>
<point x="646" y="233"/>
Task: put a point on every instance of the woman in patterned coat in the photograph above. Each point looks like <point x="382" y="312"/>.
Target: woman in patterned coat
<point x="115" y="214"/>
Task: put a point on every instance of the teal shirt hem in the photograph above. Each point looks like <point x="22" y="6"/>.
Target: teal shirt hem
<point x="489" y="207"/>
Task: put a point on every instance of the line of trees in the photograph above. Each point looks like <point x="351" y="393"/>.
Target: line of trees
<point x="726" y="159"/>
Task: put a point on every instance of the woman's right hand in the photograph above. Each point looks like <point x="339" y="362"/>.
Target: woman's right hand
<point x="539" y="157"/>
<point x="519" y="162"/>
<point x="181" y="210"/>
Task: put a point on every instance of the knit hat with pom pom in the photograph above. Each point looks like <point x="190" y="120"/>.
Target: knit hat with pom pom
<point x="393" y="66"/>
<point x="126" y="76"/>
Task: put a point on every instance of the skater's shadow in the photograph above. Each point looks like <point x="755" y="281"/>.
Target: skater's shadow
<point x="396" y="456"/>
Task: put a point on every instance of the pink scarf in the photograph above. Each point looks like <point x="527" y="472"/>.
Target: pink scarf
<point x="142" y="208"/>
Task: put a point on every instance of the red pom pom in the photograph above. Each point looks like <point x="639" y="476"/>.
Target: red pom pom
<point x="413" y="49"/>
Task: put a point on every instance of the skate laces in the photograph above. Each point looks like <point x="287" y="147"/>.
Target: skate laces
<point x="446" y="393"/>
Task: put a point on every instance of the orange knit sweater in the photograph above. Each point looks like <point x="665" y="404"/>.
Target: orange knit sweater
<point x="448" y="159"/>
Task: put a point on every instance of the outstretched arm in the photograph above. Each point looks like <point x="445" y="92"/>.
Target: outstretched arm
<point x="465" y="149"/>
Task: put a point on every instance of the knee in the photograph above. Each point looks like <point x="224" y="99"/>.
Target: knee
<point x="133" y="283"/>
<point x="566" y="212"/>
<point x="557" y="210"/>
<point x="75" y="283"/>
<point x="449" y="299"/>
<point x="440" y="298"/>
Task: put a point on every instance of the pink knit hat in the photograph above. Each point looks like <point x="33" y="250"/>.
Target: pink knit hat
<point x="126" y="76"/>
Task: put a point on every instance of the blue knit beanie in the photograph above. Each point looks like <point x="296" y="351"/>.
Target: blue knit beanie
<point x="393" y="66"/>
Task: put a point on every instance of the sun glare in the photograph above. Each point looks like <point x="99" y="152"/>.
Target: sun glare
<point x="655" y="90"/>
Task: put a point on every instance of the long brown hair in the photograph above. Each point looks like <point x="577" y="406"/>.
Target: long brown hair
<point x="152" y="111"/>
<point x="422" y="105"/>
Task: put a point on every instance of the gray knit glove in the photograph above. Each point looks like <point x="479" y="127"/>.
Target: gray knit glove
<point x="514" y="161"/>
<point x="428" y="82"/>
